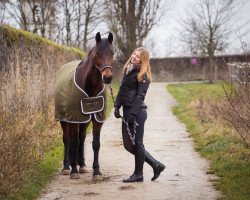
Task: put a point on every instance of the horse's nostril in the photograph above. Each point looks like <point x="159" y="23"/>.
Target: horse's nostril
<point x="107" y="80"/>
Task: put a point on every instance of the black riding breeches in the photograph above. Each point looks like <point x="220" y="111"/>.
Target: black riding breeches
<point x="138" y="149"/>
<point x="141" y="118"/>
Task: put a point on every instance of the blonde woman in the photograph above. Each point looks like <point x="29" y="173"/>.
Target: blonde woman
<point x="136" y="79"/>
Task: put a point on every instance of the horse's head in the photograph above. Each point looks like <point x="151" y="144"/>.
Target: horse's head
<point x="104" y="56"/>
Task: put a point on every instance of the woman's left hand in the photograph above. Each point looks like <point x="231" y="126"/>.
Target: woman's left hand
<point x="117" y="113"/>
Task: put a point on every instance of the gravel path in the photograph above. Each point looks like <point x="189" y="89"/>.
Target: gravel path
<point x="165" y="138"/>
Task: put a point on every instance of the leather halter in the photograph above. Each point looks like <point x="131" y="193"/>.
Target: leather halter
<point x="104" y="67"/>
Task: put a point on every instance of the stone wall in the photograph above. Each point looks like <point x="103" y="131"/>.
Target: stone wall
<point x="188" y="68"/>
<point x="191" y="69"/>
<point x="28" y="64"/>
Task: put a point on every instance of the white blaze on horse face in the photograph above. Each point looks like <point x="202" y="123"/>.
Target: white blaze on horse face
<point x="136" y="57"/>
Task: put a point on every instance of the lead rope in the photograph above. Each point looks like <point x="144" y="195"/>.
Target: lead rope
<point x="132" y="137"/>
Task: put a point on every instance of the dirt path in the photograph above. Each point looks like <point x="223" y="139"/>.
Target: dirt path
<point x="165" y="138"/>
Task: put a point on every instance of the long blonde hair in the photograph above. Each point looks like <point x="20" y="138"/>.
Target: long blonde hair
<point x="145" y="66"/>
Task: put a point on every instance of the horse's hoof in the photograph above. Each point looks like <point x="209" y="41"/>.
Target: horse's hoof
<point x="74" y="176"/>
<point x="83" y="170"/>
<point x="97" y="178"/>
<point x="65" y="172"/>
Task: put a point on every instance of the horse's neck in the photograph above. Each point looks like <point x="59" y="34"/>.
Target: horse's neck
<point x="88" y="78"/>
<point x="94" y="83"/>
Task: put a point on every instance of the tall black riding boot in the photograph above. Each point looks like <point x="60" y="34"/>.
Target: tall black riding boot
<point x="156" y="165"/>
<point x="137" y="176"/>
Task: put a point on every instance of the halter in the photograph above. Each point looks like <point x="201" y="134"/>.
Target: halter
<point x="104" y="67"/>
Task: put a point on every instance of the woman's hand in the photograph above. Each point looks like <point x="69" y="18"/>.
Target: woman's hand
<point x="117" y="113"/>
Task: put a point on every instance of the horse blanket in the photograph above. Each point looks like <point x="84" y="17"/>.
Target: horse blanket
<point x="71" y="102"/>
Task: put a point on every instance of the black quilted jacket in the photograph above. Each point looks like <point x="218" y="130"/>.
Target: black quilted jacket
<point x="132" y="92"/>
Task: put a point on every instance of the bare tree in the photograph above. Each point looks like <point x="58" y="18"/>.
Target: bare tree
<point x="79" y="23"/>
<point x="42" y="16"/>
<point x="2" y="10"/>
<point x="15" y="11"/>
<point x="79" y="18"/>
<point x="131" y="22"/>
<point x="207" y="28"/>
<point x="67" y="18"/>
<point x="46" y="17"/>
<point x="93" y="17"/>
<point x="31" y="15"/>
<point x="89" y="14"/>
<point x="69" y="11"/>
<point x="69" y="22"/>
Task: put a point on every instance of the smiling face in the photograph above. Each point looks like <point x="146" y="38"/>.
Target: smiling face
<point x="140" y="56"/>
<point x="136" y="58"/>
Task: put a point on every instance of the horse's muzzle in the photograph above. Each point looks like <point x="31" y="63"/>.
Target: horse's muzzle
<point x="107" y="79"/>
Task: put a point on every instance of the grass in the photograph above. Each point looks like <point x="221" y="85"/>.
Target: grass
<point x="47" y="169"/>
<point x="45" y="172"/>
<point x="229" y="157"/>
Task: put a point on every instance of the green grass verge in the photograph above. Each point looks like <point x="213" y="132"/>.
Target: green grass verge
<point x="229" y="157"/>
<point x="47" y="169"/>
<point x="44" y="173"/>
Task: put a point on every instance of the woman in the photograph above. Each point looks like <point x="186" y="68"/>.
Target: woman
<point x="131" y="95"/>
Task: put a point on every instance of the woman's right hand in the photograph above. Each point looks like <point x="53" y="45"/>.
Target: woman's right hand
<point x="117" y="113"/>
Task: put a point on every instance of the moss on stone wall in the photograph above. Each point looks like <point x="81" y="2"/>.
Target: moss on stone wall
<point x="17" y="36"/>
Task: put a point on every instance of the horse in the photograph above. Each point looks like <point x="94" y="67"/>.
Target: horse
<point x="86" y="78"/>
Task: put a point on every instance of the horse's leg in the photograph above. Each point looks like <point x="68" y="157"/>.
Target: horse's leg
<point x="81" y="158"/>
<point x="66" y="142"/>
<point x="73" y="150"/>
<point x="96" y="146"/>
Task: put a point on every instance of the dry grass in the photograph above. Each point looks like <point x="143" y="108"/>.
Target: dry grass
<point x="24" y="138"/>
<point x="230" y="117"/>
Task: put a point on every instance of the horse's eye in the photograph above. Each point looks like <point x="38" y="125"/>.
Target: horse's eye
<point x="98" y="54"/>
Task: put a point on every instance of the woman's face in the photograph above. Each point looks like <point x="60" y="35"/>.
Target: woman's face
<point x="136" y="58"/>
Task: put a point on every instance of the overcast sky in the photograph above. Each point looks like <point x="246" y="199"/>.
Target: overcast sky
<point x="163" y="40"/>
<point x="165" y="35"/>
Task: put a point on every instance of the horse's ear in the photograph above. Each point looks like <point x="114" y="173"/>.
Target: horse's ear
<point x="98" y="37"/>
<point x="110" y="38"/>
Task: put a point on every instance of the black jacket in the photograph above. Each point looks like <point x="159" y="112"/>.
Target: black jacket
<point x="132" y="92"/>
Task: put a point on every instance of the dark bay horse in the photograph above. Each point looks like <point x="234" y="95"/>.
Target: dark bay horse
<point x="89" y="79"/>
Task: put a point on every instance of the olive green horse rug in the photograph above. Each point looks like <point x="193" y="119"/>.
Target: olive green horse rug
<point x="72" y="104"/>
